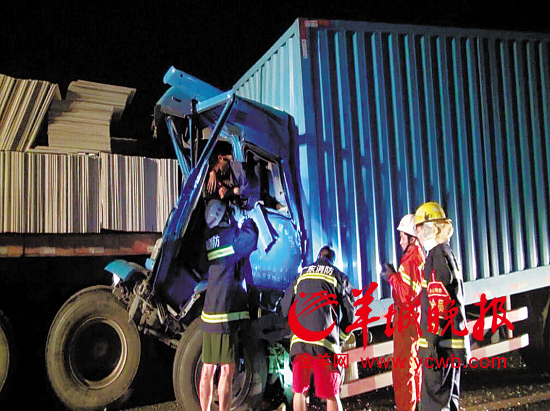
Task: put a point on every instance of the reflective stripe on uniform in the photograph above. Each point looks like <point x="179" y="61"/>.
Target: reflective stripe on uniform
<point x="220" y="252"/>
<point x="315" y="276"/>
<point x="335" y="348"/>
<point x="405" y="277"/>
<point x="224" y="318"/>
<point x="416" y="287"/>
<point x="455" y="343"/>
<point x="343" y="336"/>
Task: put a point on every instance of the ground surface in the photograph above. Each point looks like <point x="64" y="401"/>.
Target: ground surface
<point x="515" y="388"/>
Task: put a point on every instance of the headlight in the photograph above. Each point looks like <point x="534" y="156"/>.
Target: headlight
<point x="116" y="280"/>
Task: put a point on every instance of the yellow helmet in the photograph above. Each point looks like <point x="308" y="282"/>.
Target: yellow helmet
<point x="430" y="211"/>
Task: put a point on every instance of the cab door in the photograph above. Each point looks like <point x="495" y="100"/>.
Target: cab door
<point x="278" y="256"/>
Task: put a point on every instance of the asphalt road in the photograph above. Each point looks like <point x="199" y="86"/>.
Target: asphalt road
<point x="515" y="388"/>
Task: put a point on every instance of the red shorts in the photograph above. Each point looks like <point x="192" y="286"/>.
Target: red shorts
<point x="327" y="380"/>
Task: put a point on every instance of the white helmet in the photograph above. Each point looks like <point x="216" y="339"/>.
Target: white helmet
<point x="215" y="210"/>
<point x="407" y="225"/>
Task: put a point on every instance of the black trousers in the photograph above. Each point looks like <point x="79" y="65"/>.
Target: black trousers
<point x="440" y="387"/>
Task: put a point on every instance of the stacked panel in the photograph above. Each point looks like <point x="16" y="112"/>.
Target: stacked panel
<point x="23" y="107"/>
<point x="82" y="121"/>
<point x="137" y="193"/>
<point x="75" y="193"/>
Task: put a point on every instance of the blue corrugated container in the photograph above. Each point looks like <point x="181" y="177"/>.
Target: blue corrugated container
<point x="390" y="116"/>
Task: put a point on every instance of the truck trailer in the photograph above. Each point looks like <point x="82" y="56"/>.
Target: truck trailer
<point x="344" y="127"/>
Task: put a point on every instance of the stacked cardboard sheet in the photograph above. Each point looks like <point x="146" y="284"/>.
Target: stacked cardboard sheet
<point x="78" y="193"/>
<point x="23" y="107"/>
<point x="137" y="193"/>
<point x="82" y="121"/>
<point x="53" y="193"/>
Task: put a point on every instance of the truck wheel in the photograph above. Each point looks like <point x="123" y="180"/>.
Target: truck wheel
<point x="7" y="360"/>
<point x="537" y="325"/>
<point x="248" y="385"/>
<point x="93" y="351"/>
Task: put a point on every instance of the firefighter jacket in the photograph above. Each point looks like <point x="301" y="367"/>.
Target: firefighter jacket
<point x="407" y="284"/>
<point x="309" y="291"/>
<point x="227" y="250"/>
<point x="406" y="287"/>
<point x="443" y="318"/>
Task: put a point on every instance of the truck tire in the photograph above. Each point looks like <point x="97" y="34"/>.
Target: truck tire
<point x="537" y="325"/>
<point x="7" y="357"/>
<point x="248" y="385"/>
<point x="92" y="351"/>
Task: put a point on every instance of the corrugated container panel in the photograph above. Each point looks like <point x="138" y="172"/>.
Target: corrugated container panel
<point x="391" y="116"/>
<point x="278" y="81"/>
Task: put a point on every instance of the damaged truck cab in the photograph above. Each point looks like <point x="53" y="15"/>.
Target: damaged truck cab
<point x="93" y="350"/>
<point x="196" y="117"/>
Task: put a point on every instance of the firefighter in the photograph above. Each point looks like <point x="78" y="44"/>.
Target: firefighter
<point x="406" y="286"/>
<point x="227" y="180"/>
<point x="325" y="294"/>
<point x="226" y="304"/>
<point x="445" y="344"/>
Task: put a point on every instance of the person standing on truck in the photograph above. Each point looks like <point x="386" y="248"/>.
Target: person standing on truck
<point x="406" y="285"/>
<point x="326" y="293"/>
<point x="445" y="343"/>
<point x="227" y="179"/>
<point x="226" y="304"/>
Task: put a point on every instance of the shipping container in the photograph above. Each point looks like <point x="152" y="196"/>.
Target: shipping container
<point x="390" y="116"/>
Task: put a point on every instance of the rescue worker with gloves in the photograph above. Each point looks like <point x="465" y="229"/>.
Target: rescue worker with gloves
<point x="406" y="285"/>
<point x="225" y="310"/>
<point x="227" y="179"/>
<point x="445" y="343"/>
<point x="323" y="294"/>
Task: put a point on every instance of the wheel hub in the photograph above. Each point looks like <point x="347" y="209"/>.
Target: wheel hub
<point x="97" y="352"/>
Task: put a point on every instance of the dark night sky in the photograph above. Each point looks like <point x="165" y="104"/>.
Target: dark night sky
<point x="133" y="43"/>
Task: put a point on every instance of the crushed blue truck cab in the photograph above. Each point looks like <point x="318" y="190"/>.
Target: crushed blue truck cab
<point x="253" y="130"/>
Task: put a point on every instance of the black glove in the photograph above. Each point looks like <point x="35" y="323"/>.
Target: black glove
<point x="387" y="271"/>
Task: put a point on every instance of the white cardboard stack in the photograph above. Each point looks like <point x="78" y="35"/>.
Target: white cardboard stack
<point x="82" y="121"/>
<point x="49" y="193"/>
<point x="67" y="187"/>
<point x="79" y="193"/>
<point x="23" y="106"/>
<point x="137" y="193"/>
